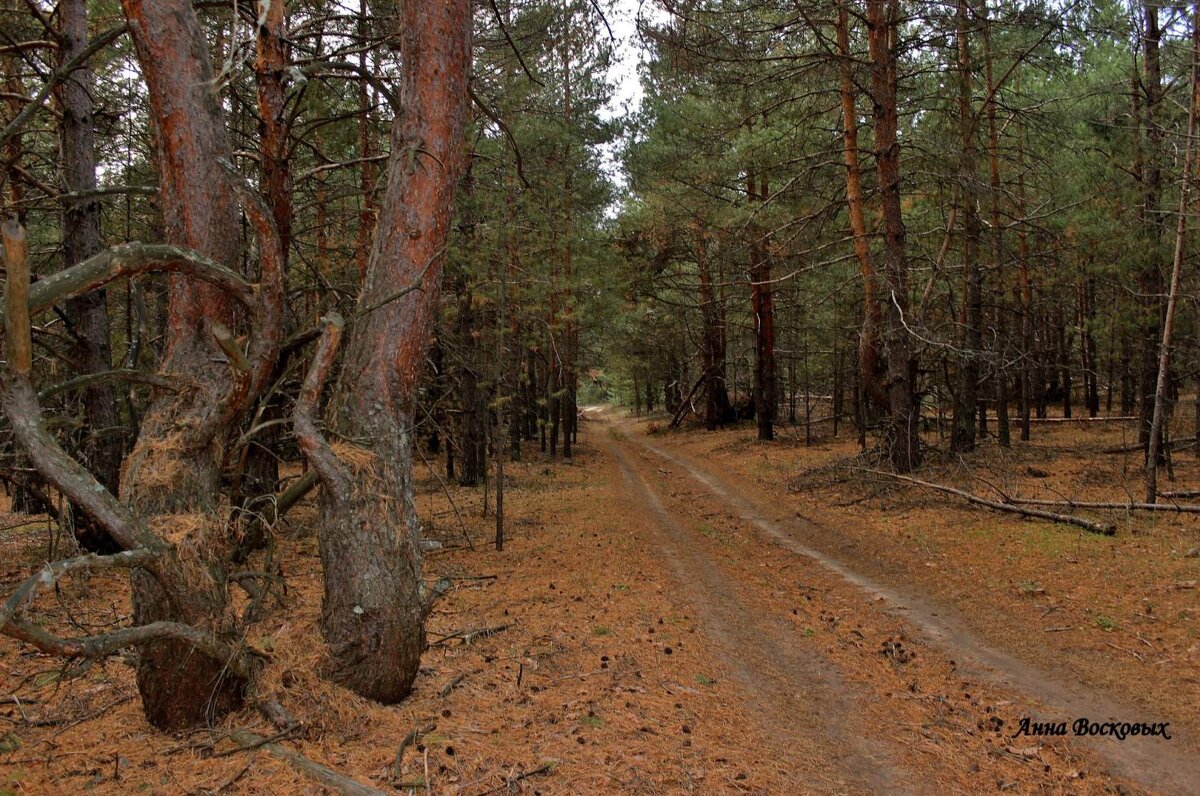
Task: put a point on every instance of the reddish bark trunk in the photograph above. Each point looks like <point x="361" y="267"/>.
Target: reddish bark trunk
<point x="174" y="468"/>
<point x="868" y="341"/>
<point x="373" y="615"/>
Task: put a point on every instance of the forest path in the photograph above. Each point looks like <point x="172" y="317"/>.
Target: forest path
<point x="794" y="692"/>
<point x="836" y="710"/>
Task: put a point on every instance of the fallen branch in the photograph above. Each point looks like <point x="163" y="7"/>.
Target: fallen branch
<point x="1180" y="508"/>
<point x="468" y="636"/>
<point x="1087" y="525"/>
<point x="1180" y="493"/>
<point x="1102" y="419"/>
<point x="1174" y="445"/>
<point x="544" y="768"/>
<point x="317" y="771"/>
<point x="450" y="686"/>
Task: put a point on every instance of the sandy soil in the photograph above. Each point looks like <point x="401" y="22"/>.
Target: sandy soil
<point x="662" y="621"/>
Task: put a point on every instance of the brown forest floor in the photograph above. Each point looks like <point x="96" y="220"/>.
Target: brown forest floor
<point x="658" y="641"/>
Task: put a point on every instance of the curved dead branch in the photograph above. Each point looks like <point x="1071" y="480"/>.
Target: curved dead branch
<point x="312" y="442"/>
<point x="131" y="259"/>
<point x="106" y="644"/>
<point x="49" y="574"/>
<point x="20" y="404"/>
<point x="156" y="380"/>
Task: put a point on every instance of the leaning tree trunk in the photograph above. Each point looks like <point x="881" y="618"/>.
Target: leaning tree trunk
<point x="1159" y="418"/>
<point x="374" y="610"/>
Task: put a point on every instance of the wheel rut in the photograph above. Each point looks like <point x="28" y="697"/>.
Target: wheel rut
<point x="1173" y="769"/>
<point x="795" y="693"/>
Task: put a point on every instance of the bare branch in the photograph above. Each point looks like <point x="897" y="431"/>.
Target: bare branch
<point x="304" y="417"/>
<point x="60" y="74"/>
<point x="106" y="644"/>
<point x="49" y="574"/>
<point x="131" y="259"/>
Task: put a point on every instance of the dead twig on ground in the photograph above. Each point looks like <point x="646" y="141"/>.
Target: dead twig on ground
<point x="415" y="735"/>
<point x="450" y="686"/>
<point x="544" y="768"/>
<point x="317" y="771"/>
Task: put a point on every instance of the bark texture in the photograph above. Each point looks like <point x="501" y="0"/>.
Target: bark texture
<point x="172" y="476"/>
<point x="901" y="440"/>
<point x="869" y="364"/>
<point x="374" y="611"/>
<point x="87" y="314"/>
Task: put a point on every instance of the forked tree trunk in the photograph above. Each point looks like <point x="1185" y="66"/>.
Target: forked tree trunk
<point x="374" y="611"/>
<point x="259" y="472"/>
<point x="167" y="476"/>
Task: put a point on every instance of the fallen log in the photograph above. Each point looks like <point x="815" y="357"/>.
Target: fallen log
<point x="1180" y="493"/>
<point x="1180" y="508"/>
<point x="1174" y="445"/>
<point x="1107" y="529"/>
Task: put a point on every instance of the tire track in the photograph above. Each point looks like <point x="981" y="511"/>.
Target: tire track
<point x="1164" y="766"/>
<point x="795" y="693"/>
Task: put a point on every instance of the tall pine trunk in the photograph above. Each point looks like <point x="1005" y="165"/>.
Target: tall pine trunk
<point x="901" y="440"/>
<point x="88" y="314"/>
<point x="868" y="341"/>
<point x="970" y="321"/>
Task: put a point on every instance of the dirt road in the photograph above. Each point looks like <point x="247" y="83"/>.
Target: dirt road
<point x="864" y="687"/>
